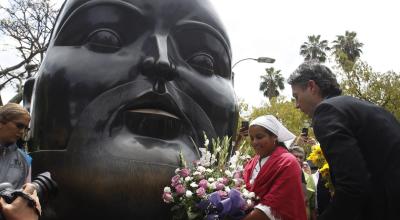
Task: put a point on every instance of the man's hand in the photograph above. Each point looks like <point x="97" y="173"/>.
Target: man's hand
<point x="19" y="208"/>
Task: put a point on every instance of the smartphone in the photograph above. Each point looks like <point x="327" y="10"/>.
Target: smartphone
<point x="304" y="132"/>
<point x="245" y="125"/>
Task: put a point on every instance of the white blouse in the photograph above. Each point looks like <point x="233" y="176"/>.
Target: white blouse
<point x="256" y="170"/>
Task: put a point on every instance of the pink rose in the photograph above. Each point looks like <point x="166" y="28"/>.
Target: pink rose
<point x="175" y="180"/>
<point x="180" y="189"/>
<point x="238" y="182"/>
<point x="203" y="183"/>
<point x="220" y="186"/>
<point x="222" y="193"/>
<point x="167" y="197"/>
<point x="184" y="172"/>
<point x="201" y="192"/>
<point x="237" y="175"/>
<point x="225" y="181"/>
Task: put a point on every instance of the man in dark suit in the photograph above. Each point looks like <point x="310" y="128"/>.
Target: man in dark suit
<point x="360" y="141"/>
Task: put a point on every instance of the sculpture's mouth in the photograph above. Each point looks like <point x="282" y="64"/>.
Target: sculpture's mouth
<point x="152" y="115"/>
<point x="154" y="122"/>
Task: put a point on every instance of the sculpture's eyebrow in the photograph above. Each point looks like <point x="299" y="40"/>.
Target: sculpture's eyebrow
<point x="195" y="25"/>
<point x="92" y="4"/>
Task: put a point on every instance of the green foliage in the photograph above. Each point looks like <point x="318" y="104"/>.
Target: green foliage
<point x="314" y="49"/>
<point x="382" y="89"/>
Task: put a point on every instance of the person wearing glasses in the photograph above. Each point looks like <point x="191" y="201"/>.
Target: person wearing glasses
<point x="15" y="163"/>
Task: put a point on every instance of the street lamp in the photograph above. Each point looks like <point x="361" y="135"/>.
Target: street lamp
<point x="260" y="60"/>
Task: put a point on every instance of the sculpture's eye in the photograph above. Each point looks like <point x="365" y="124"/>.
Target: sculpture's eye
<point x="104" y="41"/>
<point x="203" y="63"/>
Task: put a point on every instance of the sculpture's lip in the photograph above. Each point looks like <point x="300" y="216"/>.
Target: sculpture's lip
<point x="155" y="116"/>
<point x="153" y="111"/>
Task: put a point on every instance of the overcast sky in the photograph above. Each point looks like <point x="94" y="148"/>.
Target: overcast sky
<point x="277" y="29"/>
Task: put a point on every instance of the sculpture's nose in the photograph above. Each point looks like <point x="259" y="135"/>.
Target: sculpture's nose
<point x="157" y="65"/>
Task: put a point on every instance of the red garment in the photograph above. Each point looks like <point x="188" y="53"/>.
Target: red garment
<point x="278" y="184"/>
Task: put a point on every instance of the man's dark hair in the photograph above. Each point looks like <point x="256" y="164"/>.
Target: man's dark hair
<point x="320" y="74"/>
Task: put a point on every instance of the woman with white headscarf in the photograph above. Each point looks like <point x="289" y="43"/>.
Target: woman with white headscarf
<point x="274" y="173"/>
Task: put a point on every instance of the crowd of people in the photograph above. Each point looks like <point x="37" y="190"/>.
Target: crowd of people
<point x="360" y="141"/>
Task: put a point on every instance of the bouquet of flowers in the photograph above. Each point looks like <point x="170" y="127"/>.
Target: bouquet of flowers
<point x="318" y="159"/>
<point x="212" y="188"/>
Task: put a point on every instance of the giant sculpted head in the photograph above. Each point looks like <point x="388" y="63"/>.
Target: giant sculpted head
<point x="126" y="85"/>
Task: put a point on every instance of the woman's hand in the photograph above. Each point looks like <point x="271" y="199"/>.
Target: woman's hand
<point x="256" y="214"/>
<point x="19" y="208"/>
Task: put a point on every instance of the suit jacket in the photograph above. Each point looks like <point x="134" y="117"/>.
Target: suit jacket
<point x="361" y="143"/>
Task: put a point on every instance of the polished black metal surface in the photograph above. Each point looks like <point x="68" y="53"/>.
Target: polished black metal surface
<point x="126" y="85"/>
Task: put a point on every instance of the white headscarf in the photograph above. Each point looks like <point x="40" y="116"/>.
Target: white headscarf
<point x="272" y="124"/>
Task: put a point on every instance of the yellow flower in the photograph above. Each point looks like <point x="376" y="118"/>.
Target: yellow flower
<point x="324" y="170"/>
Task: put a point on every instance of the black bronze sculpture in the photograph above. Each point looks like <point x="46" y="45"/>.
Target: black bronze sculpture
<point x="124" y="87"/>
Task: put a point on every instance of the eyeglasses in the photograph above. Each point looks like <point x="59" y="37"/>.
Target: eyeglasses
<point x="20" y="126"/>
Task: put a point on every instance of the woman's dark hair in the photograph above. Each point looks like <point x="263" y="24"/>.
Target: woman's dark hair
<point x="278" y="143"/>
<point x="320" y="74"/>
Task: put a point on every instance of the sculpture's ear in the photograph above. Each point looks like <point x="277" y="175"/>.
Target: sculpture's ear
<point x="27" y="93"/>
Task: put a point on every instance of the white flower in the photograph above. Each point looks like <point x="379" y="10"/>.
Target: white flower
<point x="188" y="178"/>
<point x="177" y="170"/>
<point x="227" y="189"/>
<point x="252" y="195"/>
<point x="245" y="194"/>
<point x="228" y="173"/>
<point x="196" y="173"/>
<point x="188" y="193"/>
<point x="207" y="159"/>
<point x="167" y="189"/>
<point x="211" y="179"/>
<point x="209" y="170"/>
<point x="220" y="179"/>
<point x="201" y="169"/>
<point x="194" y="185"/>
<point x="212" y="185"/>
<point x="206" y="142"/>
<point x="249" y="202"/>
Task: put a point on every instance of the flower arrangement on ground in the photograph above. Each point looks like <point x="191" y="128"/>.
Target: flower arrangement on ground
<point x="318" y="159"/>
<point x="212" y="187"/>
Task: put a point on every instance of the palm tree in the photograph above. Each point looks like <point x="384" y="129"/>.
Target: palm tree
<point x="349" y="45"/>
<point x="314" y="49"/>
<point x="271" y="82"/>
<point x="347" y="49"/>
